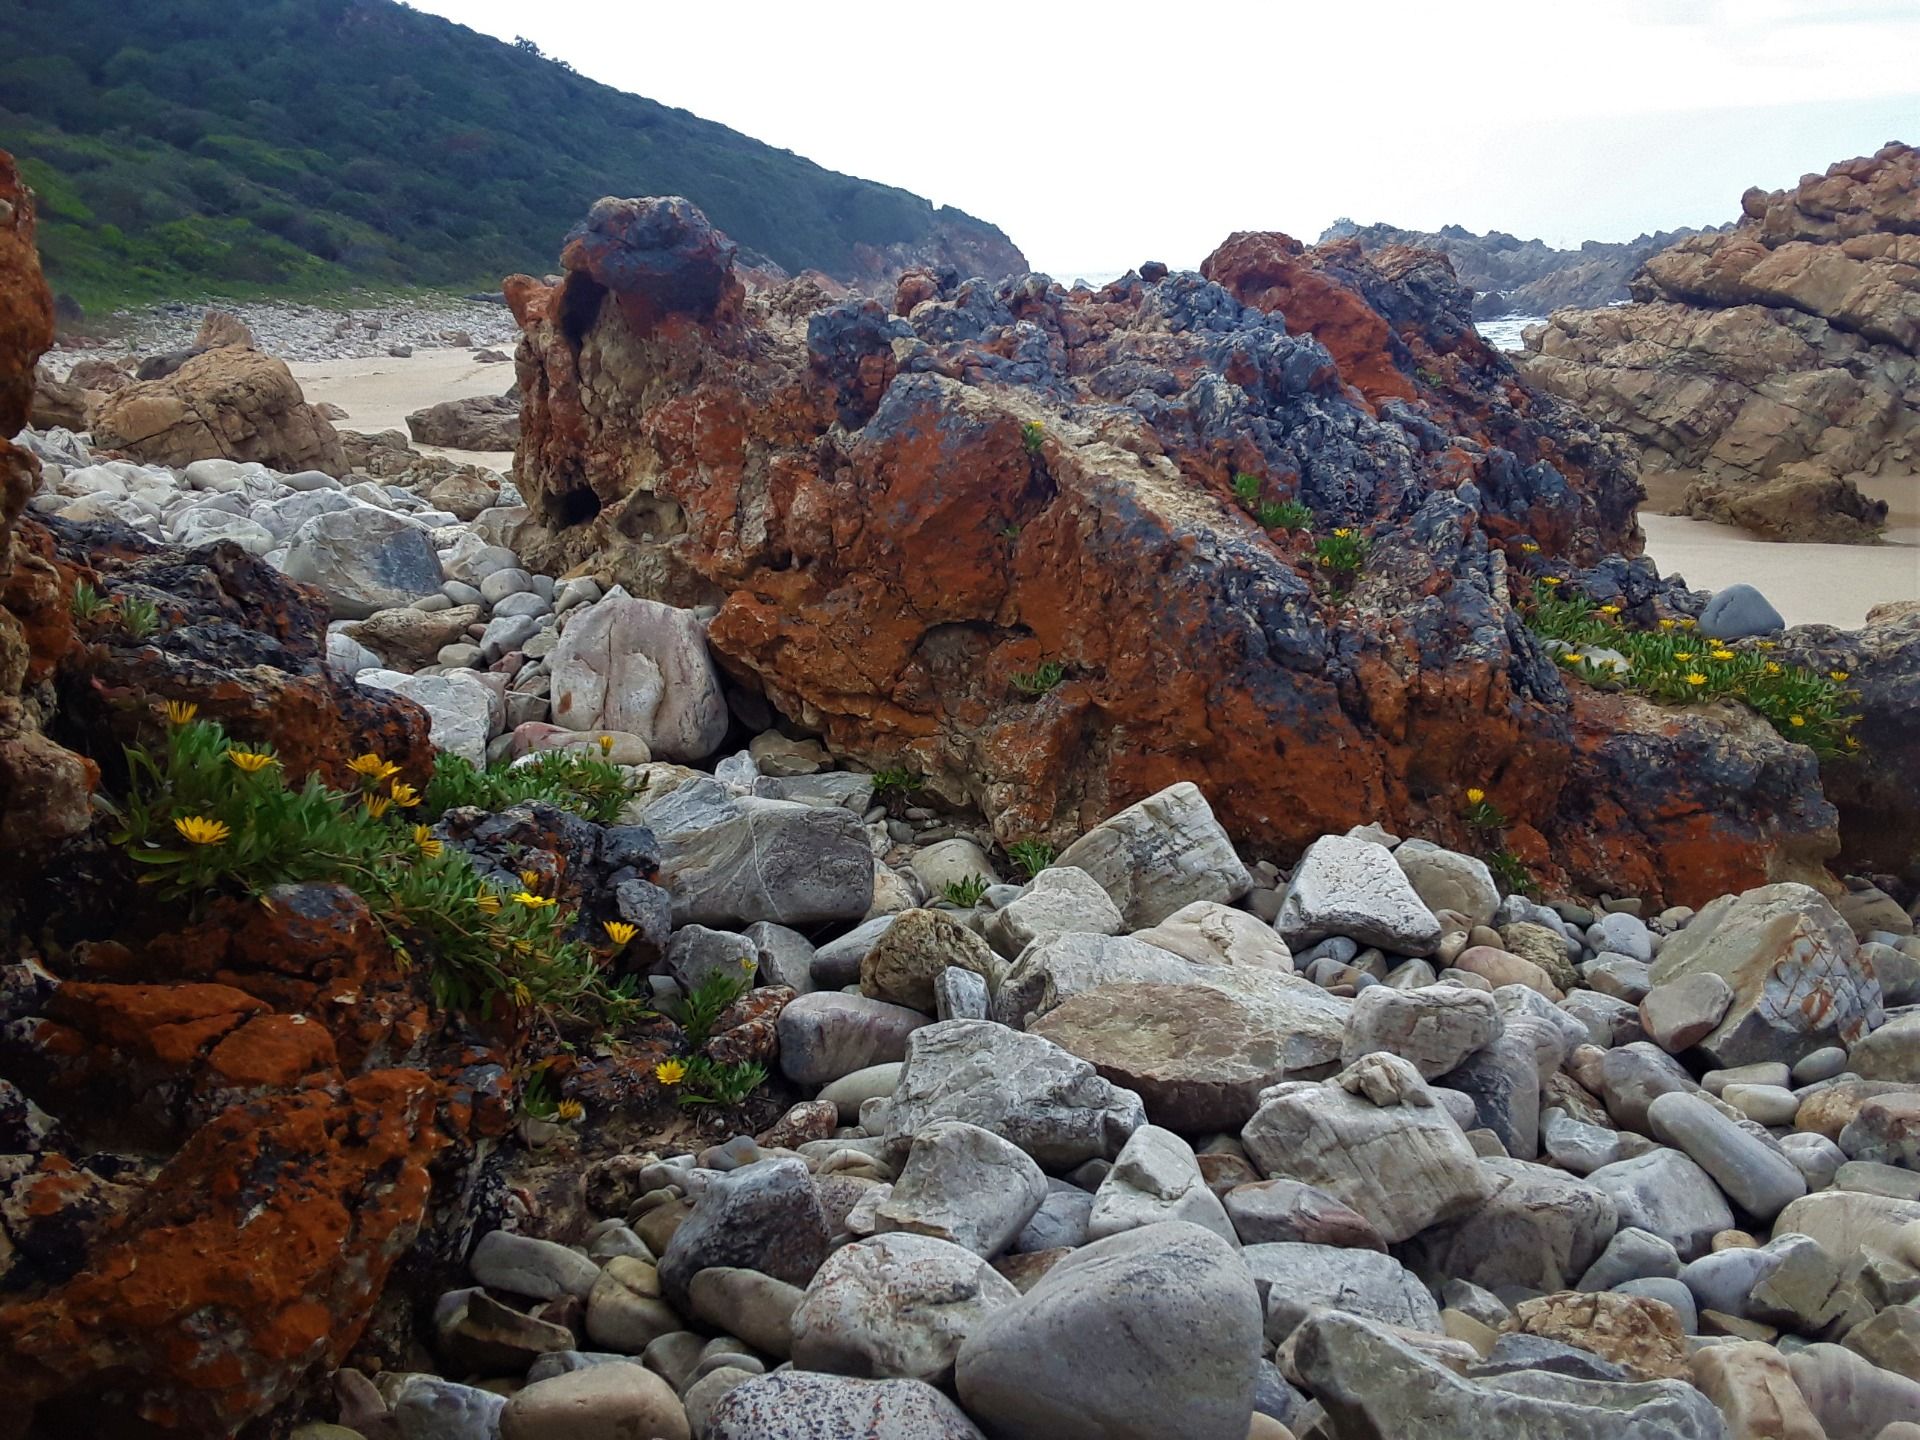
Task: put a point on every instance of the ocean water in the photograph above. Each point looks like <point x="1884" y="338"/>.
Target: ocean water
<point x="1504" y="333"/>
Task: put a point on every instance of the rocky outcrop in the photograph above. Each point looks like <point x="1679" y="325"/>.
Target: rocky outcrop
<point x="233" y="404"/>
<point x="906" y="520"/>
<point x="1773" y="364"/>
<point x="1511" y="276"/>
<point x="484" y="422"/>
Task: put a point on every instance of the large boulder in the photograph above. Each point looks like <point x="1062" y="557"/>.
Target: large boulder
<point x="639" y="666"/>
<point x="994" y="543"/>
<point x="1142" y="1335"/>
<point x="1799" y="981"/>
<point x="1161" y="854"/>
<point x="1352" y="887"/>
<point x="481" y="422"/>
<point x="1539" y="1228"/>
<point x="364" y="560"/>
<point x="231" y="403"/>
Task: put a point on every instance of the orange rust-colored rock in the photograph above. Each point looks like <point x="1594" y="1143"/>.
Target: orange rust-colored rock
<point x="256" y="1254"/>
<point x="897" y="517"/>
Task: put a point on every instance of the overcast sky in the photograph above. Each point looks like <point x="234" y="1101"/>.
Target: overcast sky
<point x="1100" y="135"/>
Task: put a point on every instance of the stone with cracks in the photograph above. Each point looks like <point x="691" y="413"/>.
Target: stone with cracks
<point x="1538" y="1228"/>
<point x="1344" y="886"/>
<point x="905" y="962"/>
<point x="1156" y="1177"/>
<point x="1435" y="1027"/>
<point x="731" y="860"/>
<point x="1799" y="983"/>
<point x="1375" y="1386"/>
<point x="1667" y="1194"/>
<point x="1296" y="1279"/>
<point x="1753" y="1385"/>
<point x="1061" y="966"/>
<point x="1209" y="933"/>
<point x="1199" y="1054"/>
<point x="764" y="1216"/>
<point x="1160" y="854"/>
<point x="228" y="403"/>
<point x="1632" y="1331"/>
<point x="628" y="664"/>
<point x="1022" y="1087"/>
<point x="966" y="1185"/>
<point x="1375" y="1138"/>
<point x="1140" y="1336"/>
<point x="1272" y="1211"/>
<point x="896" y="1306"/>
<point x="1061" y="900"/>
<point x="364" y="560"/>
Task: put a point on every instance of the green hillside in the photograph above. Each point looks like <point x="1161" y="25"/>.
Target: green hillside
<point x="190" y="147"/>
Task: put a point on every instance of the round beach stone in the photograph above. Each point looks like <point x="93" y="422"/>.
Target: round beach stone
<point x="602" y="1402"/>
<point x="805" y="1405"/>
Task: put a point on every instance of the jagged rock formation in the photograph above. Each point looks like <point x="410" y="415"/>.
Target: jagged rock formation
<point x="1773" y="364"/>
<point x="904" y="519"/>
<point x="227" y="404"/>
<point x="1511" y="276"/>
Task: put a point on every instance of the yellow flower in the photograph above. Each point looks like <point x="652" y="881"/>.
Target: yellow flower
<point x="1550" y="581"/>
<point x="749" y="964"/>
<point x="198" y="830"/>
<point x="1527" y="547"/>
<point x="179" y="712"/>
<point x="1852" y="742"/>
<point x="1688" y="623"/>
<point x="1342" y="532"/>
<point x="488" y="902"/>
<point x="1796" y="721"/>
<point x="521" y="994"/>
<point x="1475" y="795"/>
<point x="1609" y="609"/>
<point x="569" y="1110"/>
<point x="606" y="744"/>
<point x="404" y="795"/>
<point x="251" y="761"/>
<point x="619" y="931"/>
<point x="535" y="902"/>
<point x="1772" y="667"/>
<point x="1666" y="624"/>
<point x="1722" y="654"/>
<point x="530" y="879"/>
<point x="372" y="767"/>
<point x="1570" y="658"/>
<point x="1767" y="644"/>
<point x="1696" y="678"/>
<point x="1683" y="654"/>
<point x="670" y="1072"/>
<point x="423" y="837"/>
<point x="377" y="805"/>
<point x="1837" y="675"/>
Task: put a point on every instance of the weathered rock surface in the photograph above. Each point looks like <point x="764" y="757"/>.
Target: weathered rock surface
<point x="232" y="403"/>
<point x="483" y="422"/>
<point x="639" y="666"/>
<point x="1772" y="363"/>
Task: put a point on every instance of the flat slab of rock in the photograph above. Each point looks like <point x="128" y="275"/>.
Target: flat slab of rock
<point x="965" y="1185"/>
<point x="1435" y="1027"/>
<point x="1281" y="1211"/>
<point x="1200" y="1053"/>
<point x="1160" y="854"/>
<point x="1296" y="1279"/>
<point x="1209" y="933"/>
<point x="1054" y="969"/>
<point x="1351" y="887"/>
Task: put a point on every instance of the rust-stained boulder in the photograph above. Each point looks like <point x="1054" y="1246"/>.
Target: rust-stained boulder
<point x="995" y="542"/>
<point x="233" y="403"/>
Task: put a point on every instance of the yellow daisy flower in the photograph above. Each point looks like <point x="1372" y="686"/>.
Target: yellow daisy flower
<point x="179" y="712"/>
<point x="530" y="879"/>
<point x="535" y="902"/>
<point x="251" y="761"/>
<point x="606" y="744"/>
<point x="1772" y="667"/>
<point x="1342" y="532"/>
<point x="1797" y="721"/>
<point x="569" y="1110"/>
<point x="1527" y="547"/>
<point x="1683" y="654"/>
<point x="1837" y="676"/>
<point x="423" y="837"/>
<point x="199" y="830"/>
<point x="1721" y="654"/>
<point x="1550" y="581"/>
<point x="372" y="767"/>
<point x="1609" y="609"/>
<point x="521" y="994"/>
<point x="1696" y="679"/>
<point x="1688" y="623"/>
<point x="488" y="902"/>
<point x="670" y="1072"/>
<point x="619" y="931"/>
<point x="404" y="795"/>
<point x="1666" y="624"/>
<point x="377" y="805"/>
<point x="1475" y="795"/>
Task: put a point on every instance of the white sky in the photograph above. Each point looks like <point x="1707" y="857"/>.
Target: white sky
<point x="1101" y="135"/>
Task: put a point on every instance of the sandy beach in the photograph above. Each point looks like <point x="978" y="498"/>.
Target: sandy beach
<point x="379" y="393"/>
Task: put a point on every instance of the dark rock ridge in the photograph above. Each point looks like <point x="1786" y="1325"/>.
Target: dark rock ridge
<point x="1511" y="276"/>
<point x="1774" y="364"/>
<point x="903" y="518"/>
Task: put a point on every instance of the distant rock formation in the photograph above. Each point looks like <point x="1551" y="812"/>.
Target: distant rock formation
<point x="1510" y="276"/>
<point x="233" y="404"/>
<point x="1773" y="364"/>
<point x="995" y="541"/>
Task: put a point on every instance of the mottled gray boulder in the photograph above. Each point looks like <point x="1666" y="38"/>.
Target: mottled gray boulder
<point x="1681" y="1013"/>
<point x="1199" y="1054"/>
<point x="1061" y="900"/>
<point x="1609" y="1021"/>
<point x="960" y="995"/>
<point x="1270" y="1211"/>
<point x="1581" y="1147"/>
<point x="1353" y="888"/>
<point x="1448" y="880"/>
<point x="1538" y="1228"/>
<point x="805" y="1405"/>
<point x="1436" y="1028"/>
<point x="1668" y="1194"/>
<point x="1504" y="1080"/>
<point x="1376" y="1387"/>
<point x="538" y="1269"/>
<point x="731" y="860"/>
<point x="903" y="963"/>
<point x="463" y="713"/>
<point x="965" y="1185"/>
<point x="1751" y="1169"/>
<point x="1159" y="854"/>
<point x="695" y="952"/>
<point x="1061" y="1221"/>
<point x="1141" y="1336"/>
<point x="785" y="956"/>
<point x="1294" y="1280"/>
<point x="1052" y="970"/>
<point x="826" y="1035"/>
<point x="1794" y="966"/>
<point x="895" y="1306"/>
<point x="1375" y="1138"/>
<point x="1891" y="1052"/>
<point x="1156" y="1177"/>
<point x="363" y="560"/>
<point x="764" y="1216"/>
<point x="1022" y="1087"/>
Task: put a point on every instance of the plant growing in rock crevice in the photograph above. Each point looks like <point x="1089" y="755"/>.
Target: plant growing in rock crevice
<point x="572" y="779"/>
<point x="206" y="815"/>
<point x="1033" y="435"/>
<point x="1031" y="856"/>
<point x="697" y="1011"/>
<point x="1342" y="554"/>
<point x="965" y="892"/>
<point x="1039" y="681"/>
